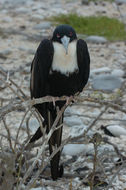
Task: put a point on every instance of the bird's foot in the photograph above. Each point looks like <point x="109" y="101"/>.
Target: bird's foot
<point x="69" y="99"/>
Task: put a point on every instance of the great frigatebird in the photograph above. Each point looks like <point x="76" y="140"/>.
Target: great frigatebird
<point x="60" y="67"/>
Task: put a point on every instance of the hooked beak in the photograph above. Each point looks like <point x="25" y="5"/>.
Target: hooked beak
<point x="65" y="41"/>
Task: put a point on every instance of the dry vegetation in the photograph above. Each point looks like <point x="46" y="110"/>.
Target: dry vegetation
<point x="23" y="168"/>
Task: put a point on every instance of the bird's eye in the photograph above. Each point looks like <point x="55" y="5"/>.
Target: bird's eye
<point x="70" y="34"/>
<point x="58" y="36"/>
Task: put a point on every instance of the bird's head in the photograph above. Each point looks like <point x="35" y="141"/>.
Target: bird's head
<point x="64" y="34"/>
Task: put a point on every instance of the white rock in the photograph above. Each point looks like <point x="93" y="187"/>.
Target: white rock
<point x="26" y="49"/>
<point x="36" y="17"/>
<point x="22" y="10"/>
<point x="118" y="72"/>
<point x="38" y="188"/>
<point x="78" y="130"/>
<point x="107" y="82"/>
<point x="7" y="19"/>
<point x="33" y="125"/>
<point x="5" y="52"/>
<point x="116" y="130"/>
<point x="76" y="149"/>
<point x="73" y="120"/>
<point x="74" y="109"/>
<point x="44" y="25"/>
<point x="96" y="39"/>
<point x="120" y="1"/>
<point x="103" y="148"/>
<point x="100" y="70"/>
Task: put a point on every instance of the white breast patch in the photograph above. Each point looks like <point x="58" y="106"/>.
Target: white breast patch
<point x="62" y="62"/>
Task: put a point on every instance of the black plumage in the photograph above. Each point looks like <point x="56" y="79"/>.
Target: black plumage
<point x="60" y="67"/>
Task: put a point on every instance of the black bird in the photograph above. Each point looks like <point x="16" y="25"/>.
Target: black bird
<point x="60" y="67"/>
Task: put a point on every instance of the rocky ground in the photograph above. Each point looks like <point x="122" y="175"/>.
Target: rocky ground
<point x="22" y="26"/>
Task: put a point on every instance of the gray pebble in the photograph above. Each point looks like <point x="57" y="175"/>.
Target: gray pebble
<point x="7" y="19"/>
<point x="119" y="2"/>
<point x="4" y="54"/>
<point x="76" y="149"/>
<point x="99" y="71"/>
<point x="22" y="10"/>
<point x="72" y="121"/>
<point x="33" y="125"/>
<point x="106" y="82"/>
<point x="96" y="39"/>
<point x="36" y="18"/>
<point x="118" y="72"/>
<point x="85" y="2"/>
<point x="30" y="51"/>
<point x="43" y="26"/>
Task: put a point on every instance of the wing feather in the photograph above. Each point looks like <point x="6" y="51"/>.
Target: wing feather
<point x="83" y="60"/>
<point x="40" y="69"/>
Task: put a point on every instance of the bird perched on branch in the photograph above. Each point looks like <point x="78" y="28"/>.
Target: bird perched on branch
<point x="60" y="67"/>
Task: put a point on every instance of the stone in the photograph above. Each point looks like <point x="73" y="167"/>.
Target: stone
<point x="11" y="72"/>
<point x="118" y="72"/>
<point x="78" y="130"/>
<point x="120" y="2"/>
<point x="96" y="39"/>
<point x="76" y="149"/>
<point x="100" y="70"/>
<point x="33" y="125"/>
<point x="36" y="17"/>
<point x="106" y="82"/>
<point x="114" y="130"/>
<point x="4" y="54"/>
<point x="16" y="2"/>
<point x="74" y="110"/>
<point x="22" y="10"/>
<point x="73" y="120"/>
<point x="7" y="19"/>
<point x="38" y="188"/>
<point x="85" y="2"/>
<point x="30" y="51"/>
<point x="43" y="26"/>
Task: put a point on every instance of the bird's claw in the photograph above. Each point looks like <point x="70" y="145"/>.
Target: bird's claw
<point x="69" y="99"/>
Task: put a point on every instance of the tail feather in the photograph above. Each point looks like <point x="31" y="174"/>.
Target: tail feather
<point x="55" y="142"/>
<point x="49" y="113"/>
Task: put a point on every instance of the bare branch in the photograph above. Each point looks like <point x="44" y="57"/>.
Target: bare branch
<point x="29" y="103"/>
<point x="42" y="149"/>
<point x="9" y="86"/>
<point x="5" y="75"/>
<point x="90" y="125"/>
<point x="9" y="135"/>
<point x="20" y="127"/>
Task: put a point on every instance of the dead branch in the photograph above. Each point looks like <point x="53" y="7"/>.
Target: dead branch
<point x="19" y="128"/>
<point x="42" y="149"/>
<point x="115" y="148"/>
<point x="5" y="75"/>
<point x="115" y="175"/>
<point x="42" y="168"/>
<point x="9" y="135"/>
<point x="16" y="104"/>
<point x="9" y="86"/>
<point x="90" y="125"/>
